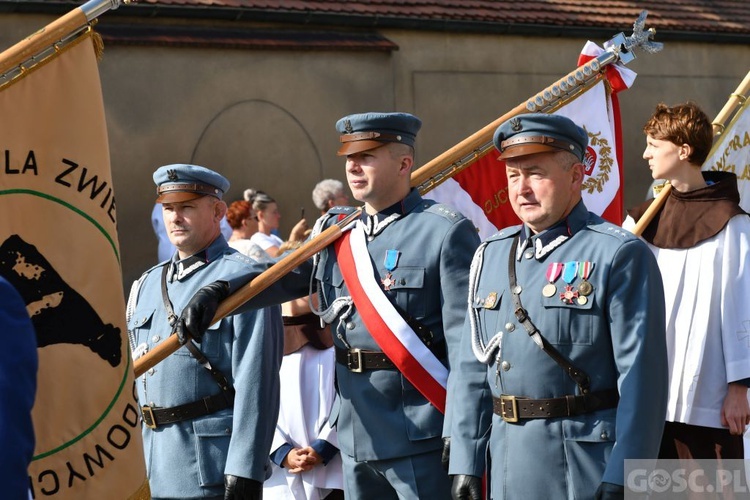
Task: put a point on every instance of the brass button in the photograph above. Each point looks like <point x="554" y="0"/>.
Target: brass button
<point x="155" y="339"/>
<point x="510" y="326"/>
<point x="604" y="435"/>
<point x="528" y="253"/>
<point x="505" y="366"/>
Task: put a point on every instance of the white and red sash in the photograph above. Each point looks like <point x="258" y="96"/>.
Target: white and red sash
<point x="391" y="332"/>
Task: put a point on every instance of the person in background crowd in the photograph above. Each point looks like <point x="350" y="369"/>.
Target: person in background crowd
<point x="267" y="211"/>
<point x="701" y="240"/>
<point x="329" y="193"/>
<point x="307" y="463"/>
<point x="244" y="224"/>
<point x="562" y="373"/>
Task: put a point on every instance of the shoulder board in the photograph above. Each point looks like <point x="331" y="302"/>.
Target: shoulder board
<point x="240" y="257"/>
<point x="445" y="211"/>
<point x="341" y="210"/>
<point x="614" y="230"/>
<point x="505" y="233"/>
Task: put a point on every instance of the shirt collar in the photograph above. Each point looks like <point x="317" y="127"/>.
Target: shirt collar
<point x="182" y="268"/>
<point x="376" y="223"/>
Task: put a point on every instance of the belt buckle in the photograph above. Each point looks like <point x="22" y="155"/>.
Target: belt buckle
<point x="147" y="414"/>
<point x="514" y="406"/>
<point x="357" y="353"/>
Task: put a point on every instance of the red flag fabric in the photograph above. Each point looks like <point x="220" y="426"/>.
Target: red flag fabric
<point x="480" y="191"/>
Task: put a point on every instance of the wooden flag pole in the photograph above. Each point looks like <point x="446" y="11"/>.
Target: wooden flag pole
<point x="736" y="100"/>
<point x="620" y="48"/>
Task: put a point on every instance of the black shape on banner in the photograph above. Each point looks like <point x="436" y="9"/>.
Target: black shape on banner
<point x="60" y="314"/>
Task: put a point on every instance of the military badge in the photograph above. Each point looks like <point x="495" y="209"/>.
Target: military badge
<point x="172" y="175"/>
<point x="388" y="281"/>
<point x="390" y="262"/>
<point x="490" y="301"/>
<point x="584" y="270"/>
<point x="553" y="272"/>
<point x="568" y="294"/>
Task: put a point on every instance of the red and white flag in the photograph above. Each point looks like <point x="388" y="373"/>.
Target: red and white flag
<point x="480" y="191"/>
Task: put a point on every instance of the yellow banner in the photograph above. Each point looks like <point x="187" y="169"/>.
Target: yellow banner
<point x="59" y="248"/>
<point x="731" y="153"/>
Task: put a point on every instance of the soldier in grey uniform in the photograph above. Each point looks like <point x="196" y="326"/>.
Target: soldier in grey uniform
<point x="562" y="373"/>
<point x="210" y="409"/>
<point x="419" y="254"/>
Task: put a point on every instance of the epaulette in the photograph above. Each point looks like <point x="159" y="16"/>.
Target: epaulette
<point x="240" y="257"/>
<point x="331" y="217"/>
<point x="445" y="211"/>
<point x="505" y="233"/>
<point x="612" y="230"/>
<point x="342" y="210"/>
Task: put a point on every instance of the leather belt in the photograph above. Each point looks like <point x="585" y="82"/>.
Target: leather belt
<point x="513" y="408"/>
<point x="154" y="416"/>
<point x="359" y="360"/>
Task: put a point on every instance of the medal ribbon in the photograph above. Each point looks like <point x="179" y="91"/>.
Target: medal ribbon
<point x="585" y="269"/>
<point x="570" y="271"/>
<point x="391" y="259"/>
<point x="553" y="271"/>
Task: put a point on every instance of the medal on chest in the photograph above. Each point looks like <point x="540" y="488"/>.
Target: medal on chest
<point x="553" y="272"/>
<point x="584" y="270"/>
<point x="390" y="262"/>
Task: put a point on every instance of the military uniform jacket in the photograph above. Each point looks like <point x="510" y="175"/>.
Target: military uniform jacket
<point x="379" y="414"/>
<point x="189" y="459"/>
<point x="616" y="336"/>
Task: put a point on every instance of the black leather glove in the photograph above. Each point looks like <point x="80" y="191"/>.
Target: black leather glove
<point x="610" y="491"/>
<point x="242" y="488"/>
<point x="446" y="456"/>
<point x="198" y="313"/>
<point x="466" y="487"/>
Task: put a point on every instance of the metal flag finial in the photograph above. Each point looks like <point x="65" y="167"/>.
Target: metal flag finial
<point x="622" y="46"/>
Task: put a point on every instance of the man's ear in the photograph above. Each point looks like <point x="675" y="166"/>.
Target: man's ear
<point x="578" y="173"/>
<point x="407" y="162"/>
<point x="220" y="209"/>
